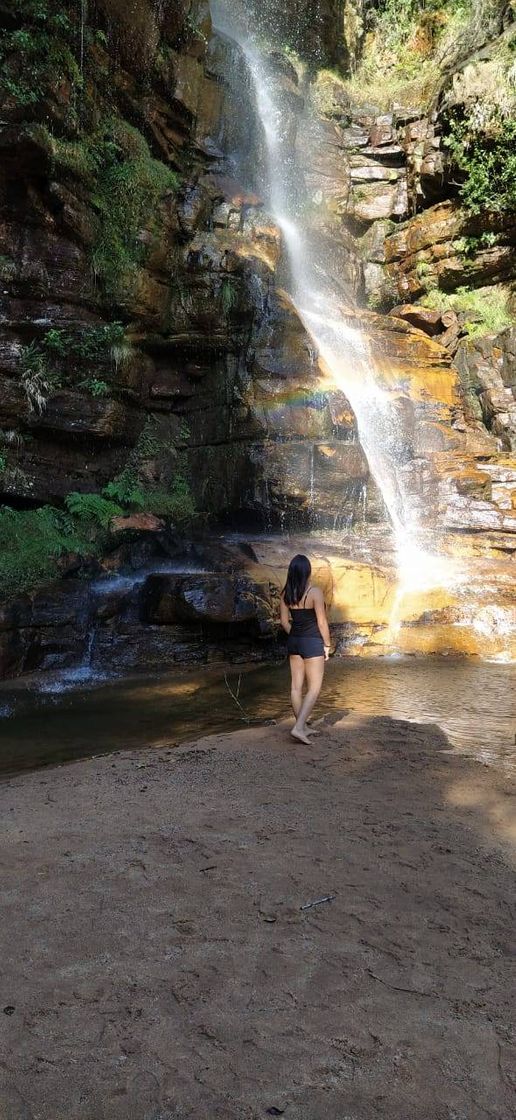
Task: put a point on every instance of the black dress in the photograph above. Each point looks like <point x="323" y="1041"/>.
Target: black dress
<point x="305" y="638"/>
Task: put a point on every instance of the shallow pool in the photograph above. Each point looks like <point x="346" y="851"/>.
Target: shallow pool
<point x="473" y="702"/>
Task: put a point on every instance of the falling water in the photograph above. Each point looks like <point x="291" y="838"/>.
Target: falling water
<point x="319" y="299"/>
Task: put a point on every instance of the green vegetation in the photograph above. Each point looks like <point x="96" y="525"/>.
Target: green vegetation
<point x="487" y="161"/>
<point x="228" y="296"/>
<point x="485" y="309"/>
<point x="95" y="386"/>
<point x="88" y="343"/>
<point x="38" y="379"/>
<point x="399" y="61"/>
<point x="38" y="52"/>
<point x="130" y="488"/>
<point x="92" y="508"/>
<point x="7" y="269"/>
<point x="32" y="541"/>
<point x="127" y="185"/>
<point x="57" y="358"/>
<point x="479" y="117"/>
<point x="426" y="276"/>
<point x="473" y="244"/>
<point x="409" y="45"/>
<point x="174" y="501"/>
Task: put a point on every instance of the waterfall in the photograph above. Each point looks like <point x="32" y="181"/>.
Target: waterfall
<point x="320" y="302"/>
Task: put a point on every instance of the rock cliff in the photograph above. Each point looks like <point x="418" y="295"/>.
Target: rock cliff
<point x="157" y="386"/>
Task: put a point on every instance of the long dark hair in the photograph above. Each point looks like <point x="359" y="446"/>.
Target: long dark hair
<point x="299" y="572"/>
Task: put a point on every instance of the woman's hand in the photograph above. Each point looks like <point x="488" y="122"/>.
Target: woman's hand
<point x="327" y="653"/>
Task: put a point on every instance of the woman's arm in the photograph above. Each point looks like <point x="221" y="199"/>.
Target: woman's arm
<point x="284" y="616"/>
<point x="322" y="621"/>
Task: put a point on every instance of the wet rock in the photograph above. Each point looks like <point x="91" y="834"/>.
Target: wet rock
<point x="213" y="599"/>
<point x="77" y="415"/>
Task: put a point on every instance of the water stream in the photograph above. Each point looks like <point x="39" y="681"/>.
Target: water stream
<point x="471" y="701"/>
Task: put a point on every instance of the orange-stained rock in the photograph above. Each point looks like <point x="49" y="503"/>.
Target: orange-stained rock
<point x="141" y="522"/>
<point x="426" y="251"/>
<point x="371" y="614"/>
<point x="423" y="318"/>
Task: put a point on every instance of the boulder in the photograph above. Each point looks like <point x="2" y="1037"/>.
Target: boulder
<point x="208" y="599"/>
<point x="424" y="318"/>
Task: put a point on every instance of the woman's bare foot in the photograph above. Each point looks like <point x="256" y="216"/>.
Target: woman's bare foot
<point x="302" y="736"/>
<point x="312" y="731"/>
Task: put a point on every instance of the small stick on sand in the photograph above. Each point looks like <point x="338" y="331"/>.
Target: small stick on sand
<point x="327" y="898"/>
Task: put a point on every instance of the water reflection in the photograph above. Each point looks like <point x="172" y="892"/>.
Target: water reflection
<point x="472" y="702"/>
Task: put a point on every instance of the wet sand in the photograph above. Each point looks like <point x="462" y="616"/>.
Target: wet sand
<point x="157" y="964"/>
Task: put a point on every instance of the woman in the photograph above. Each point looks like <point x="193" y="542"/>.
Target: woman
<point x="303" y="616"/>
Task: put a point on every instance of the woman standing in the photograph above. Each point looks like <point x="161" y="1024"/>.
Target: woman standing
<point x="303" y="616"/>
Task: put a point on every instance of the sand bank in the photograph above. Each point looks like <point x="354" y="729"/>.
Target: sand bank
<point x="157" y="964"/>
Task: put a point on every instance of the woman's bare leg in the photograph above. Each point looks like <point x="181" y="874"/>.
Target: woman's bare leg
<point x="314" y="670"/>
<point x="297" y="674"/>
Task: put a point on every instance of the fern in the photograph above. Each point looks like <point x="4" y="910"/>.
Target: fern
<point x="31" y="542"/>
<point x="92" y="507"/>
<point x="38" y="381"/>
<point x="126" y="489"/>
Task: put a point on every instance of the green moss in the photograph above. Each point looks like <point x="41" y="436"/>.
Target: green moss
<point x="126" y="186"/>
<point x="227" y="296"/>
<point x="129" y="187"/>
<point x="485" y="309"/>
<point x="36" y="51"/>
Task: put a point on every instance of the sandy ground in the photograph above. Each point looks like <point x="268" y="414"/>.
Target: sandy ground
<point x="157" y="965"/>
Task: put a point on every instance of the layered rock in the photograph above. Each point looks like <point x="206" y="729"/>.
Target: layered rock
<point x="488" y="371"/>
<point x="214" y="372"/>
<point x="430" y="251"/>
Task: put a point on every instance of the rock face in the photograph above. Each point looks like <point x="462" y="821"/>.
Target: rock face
<point x="488" y="372"/>
<point x="146" y="332"/>
<point x="212" y="355"/>
<point x="429" y="251"/>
